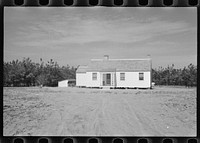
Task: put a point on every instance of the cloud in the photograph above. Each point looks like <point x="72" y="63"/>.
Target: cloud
<point x="92" y="25"/>
<point x="94" y="30"/>
<point x="86" y="32"/>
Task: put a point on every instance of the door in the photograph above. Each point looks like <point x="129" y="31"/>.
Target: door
<point x="107" y="79"/>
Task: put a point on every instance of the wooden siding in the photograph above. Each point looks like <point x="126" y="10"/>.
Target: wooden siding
<point x="81" y="79"/>
<point x="132" y="80"/>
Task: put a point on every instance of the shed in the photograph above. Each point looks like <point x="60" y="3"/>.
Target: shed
<point x="67" y="83"/>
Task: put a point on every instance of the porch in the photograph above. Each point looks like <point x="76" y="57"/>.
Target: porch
<point x="108" y="79"/>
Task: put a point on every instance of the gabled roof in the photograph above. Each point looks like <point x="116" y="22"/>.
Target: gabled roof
<point x="119" y="65"/>
<point x="81" y="69"/>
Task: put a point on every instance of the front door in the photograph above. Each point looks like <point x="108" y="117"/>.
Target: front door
<point x="107" y="79"/>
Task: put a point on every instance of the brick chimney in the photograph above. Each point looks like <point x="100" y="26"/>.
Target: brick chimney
<point x="106" y="57"/>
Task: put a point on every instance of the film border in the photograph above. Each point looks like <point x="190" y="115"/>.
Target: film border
<point x="104" y="3"/>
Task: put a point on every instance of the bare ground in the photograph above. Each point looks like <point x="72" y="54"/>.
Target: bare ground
<point x="163" y="111"/>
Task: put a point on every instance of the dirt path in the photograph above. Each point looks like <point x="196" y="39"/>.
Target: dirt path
<point x="91" y="112"/>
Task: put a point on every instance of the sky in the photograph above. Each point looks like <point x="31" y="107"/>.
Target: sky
<point x="74" y="35"/>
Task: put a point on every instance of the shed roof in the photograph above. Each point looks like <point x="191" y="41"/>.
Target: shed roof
<point x="119" y="65"/>
<point x="67" y="80"/>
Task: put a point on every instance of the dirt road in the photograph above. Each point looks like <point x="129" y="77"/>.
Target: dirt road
<point x="97" y="112"/>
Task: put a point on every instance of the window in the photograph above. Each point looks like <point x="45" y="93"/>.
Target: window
<point x="94" y="76"/>
<point x="122" y="76"/>
<point x="141" y="76"/>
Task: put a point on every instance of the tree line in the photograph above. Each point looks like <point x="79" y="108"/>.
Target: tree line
<point x="29" y="73"/>
<point x="186" y="76"/>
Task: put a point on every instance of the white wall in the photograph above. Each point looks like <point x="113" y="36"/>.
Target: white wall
<point x="132" y="80"/>
<point x="80" y="79"/>
<point x="63" y="83"/>
<point x="90" y="82"/>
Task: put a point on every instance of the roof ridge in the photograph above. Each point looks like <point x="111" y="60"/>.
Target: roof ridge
<point x="119" y="59"/>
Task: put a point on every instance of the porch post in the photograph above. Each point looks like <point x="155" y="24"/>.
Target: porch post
<point x="100" y="78"/>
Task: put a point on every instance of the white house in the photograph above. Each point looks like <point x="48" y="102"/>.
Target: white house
<point x="115" y="73"/>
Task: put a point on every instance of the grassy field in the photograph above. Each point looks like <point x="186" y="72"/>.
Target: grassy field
<point x="162" y="111"/>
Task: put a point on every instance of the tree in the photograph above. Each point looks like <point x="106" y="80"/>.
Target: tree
<point x="28" y="73"/>
<point x="170" y="76"/>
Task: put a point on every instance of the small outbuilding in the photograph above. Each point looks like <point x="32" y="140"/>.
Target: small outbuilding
<point x="67" y="83"/>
